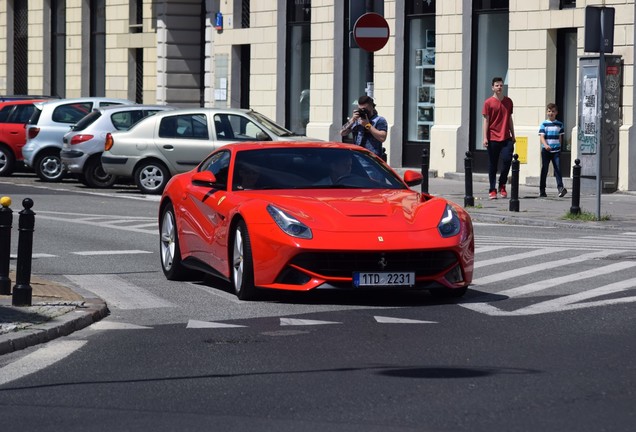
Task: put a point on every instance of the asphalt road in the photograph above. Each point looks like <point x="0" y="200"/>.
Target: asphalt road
<point x="544" y="340"/>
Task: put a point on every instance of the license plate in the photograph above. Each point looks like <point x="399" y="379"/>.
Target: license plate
<point x="361" y="279"/>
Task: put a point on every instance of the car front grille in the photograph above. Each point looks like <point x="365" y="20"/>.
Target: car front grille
<point x="342" y="264"/>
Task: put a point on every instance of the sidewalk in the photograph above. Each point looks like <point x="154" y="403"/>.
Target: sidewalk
<point x="58" y="310"/>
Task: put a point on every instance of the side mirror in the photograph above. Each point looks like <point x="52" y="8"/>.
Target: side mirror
<point x="262" y="136"/>
<point x="204" y="178"/>
<point x="413" y="178"/>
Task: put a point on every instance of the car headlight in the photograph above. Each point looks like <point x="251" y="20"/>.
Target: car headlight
<point x="450" y="224"/>
<point x="288" y="223"/>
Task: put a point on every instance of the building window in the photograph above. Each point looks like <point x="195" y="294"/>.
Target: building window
<point x="419" y="104"/>
<point x="298" y="65"/>
<point x="97" y="49"/>
<point x="245" y="14"/>
<point x="490" y="59"/>
<point x="567" y="4"/>
<point x="58" y="48"/>
<point x="20" y="47"/>
<point x="136" y="22"/>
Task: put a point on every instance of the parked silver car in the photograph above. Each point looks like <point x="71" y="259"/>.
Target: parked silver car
<point x="47" y="126"/>
<point x="83" y="145"/>
<point x="171" y="142"/>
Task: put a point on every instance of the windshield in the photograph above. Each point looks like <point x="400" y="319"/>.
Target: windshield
<point x="270" y="125"/>
<point x="311" y="168"/>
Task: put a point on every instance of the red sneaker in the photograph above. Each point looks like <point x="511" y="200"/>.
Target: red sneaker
<point x="492" y="195"/>
<point x="502" y="191"/>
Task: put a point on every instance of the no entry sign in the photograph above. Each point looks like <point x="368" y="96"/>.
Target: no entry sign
<point x="371" y="32"/>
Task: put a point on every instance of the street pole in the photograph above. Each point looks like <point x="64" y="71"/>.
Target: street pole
<point x="369" y="74"/>
<point x="599" y="131"/>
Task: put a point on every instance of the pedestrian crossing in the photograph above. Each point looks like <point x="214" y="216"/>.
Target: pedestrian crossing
<point x="138" y="224"/>
<point x="520" y="276"/>
<point x="512" y="277"/>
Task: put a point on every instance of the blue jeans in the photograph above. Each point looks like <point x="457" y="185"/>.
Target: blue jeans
<point x="495" y="150"/>
<point x="546" y="157"/>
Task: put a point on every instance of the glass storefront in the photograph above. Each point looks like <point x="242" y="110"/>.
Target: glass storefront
<point x="298" y="65"/>
<point x="419" y="91"/>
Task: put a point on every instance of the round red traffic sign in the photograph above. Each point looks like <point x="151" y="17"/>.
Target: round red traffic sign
<point x="371" y="32"/>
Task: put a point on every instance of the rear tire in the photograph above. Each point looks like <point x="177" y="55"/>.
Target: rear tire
<point x="171" y="263"/>
<point x="48" y="166"/>
<point x="95" y="176"/>
<point x="7" y="161"/>
<point x="151" y="177"/>
<point x="242" y="264"/>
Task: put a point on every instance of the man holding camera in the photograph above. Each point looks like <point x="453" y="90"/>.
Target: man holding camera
<point x="368" y="128"/>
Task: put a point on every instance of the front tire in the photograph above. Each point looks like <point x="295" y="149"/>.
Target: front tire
<point x="7" y="161"/>
<point x="151" y="177"/>
<point x="48" y="166"/>
<point x="95" y="176"/>
<point x="171" y="263"/>
<point x="242" y="264"/>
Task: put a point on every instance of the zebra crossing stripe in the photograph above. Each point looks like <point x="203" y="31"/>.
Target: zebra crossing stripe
<point x="549" y="283"/>
<point x="516" y="257"/>
<point x="543" y="266"/>
<point x="111" y="252"/>
<point x="119" y="293"/>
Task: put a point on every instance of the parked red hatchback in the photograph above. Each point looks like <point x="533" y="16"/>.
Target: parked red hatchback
<point x="13" y="116"/>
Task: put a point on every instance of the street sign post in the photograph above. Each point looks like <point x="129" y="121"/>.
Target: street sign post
<point x="371" y="33"/>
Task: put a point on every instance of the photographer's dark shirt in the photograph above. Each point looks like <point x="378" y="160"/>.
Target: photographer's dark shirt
<point x="363" y="137"/>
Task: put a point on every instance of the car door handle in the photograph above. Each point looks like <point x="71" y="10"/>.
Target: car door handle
<point x="168" y="147"/>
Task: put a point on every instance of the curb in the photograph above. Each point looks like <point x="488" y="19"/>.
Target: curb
<point x="517" y="220"/>
<point x="90" y="312"/>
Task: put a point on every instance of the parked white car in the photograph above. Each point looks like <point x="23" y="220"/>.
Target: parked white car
<point x="47" y="126"/>
<point x="172" y="142"/>
<point x="83" y="145"/>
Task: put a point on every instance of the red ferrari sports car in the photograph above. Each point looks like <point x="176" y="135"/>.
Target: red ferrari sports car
<point x="303" y="216"/>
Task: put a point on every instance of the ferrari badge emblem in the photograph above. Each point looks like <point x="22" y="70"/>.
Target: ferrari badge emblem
<point x="380" y="238"/>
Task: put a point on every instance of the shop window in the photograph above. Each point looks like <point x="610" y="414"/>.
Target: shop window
<point x="298" y="65"/>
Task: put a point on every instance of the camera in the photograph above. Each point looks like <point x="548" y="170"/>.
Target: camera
<point x="363" y="113"/>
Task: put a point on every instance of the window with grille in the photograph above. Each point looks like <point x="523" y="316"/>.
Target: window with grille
<point x="20" y="47"/>
<point x="245" y="14"/>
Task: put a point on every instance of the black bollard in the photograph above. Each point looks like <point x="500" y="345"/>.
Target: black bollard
<point x="469" y="199"/>
<point x="576" y="188"/>
<point x="514" y="187"/>
<point x="6" y="221"/>
<point x="22" y="291"/>
<point x="425" y="164"/>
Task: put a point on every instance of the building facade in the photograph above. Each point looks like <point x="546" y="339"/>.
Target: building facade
<point x="297" y="62"/>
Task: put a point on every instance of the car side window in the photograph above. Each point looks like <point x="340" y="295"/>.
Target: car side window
<point x="4" y="113"/>
<point x="21" y="114"/>
<point x="192" y="126"/>
<point x="71" y="113"/>
<point x="123" y="120"/>
<point x="241" y="128"/>
<point x="218" y="164"/>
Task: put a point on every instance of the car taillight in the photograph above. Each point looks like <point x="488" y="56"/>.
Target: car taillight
<point x="33" y="132"/>
<point x="109" y="142"/>
<point x="78" y="139"/>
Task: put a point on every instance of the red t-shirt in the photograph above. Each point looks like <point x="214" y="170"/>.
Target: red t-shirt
<point x="498" y="113"/>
